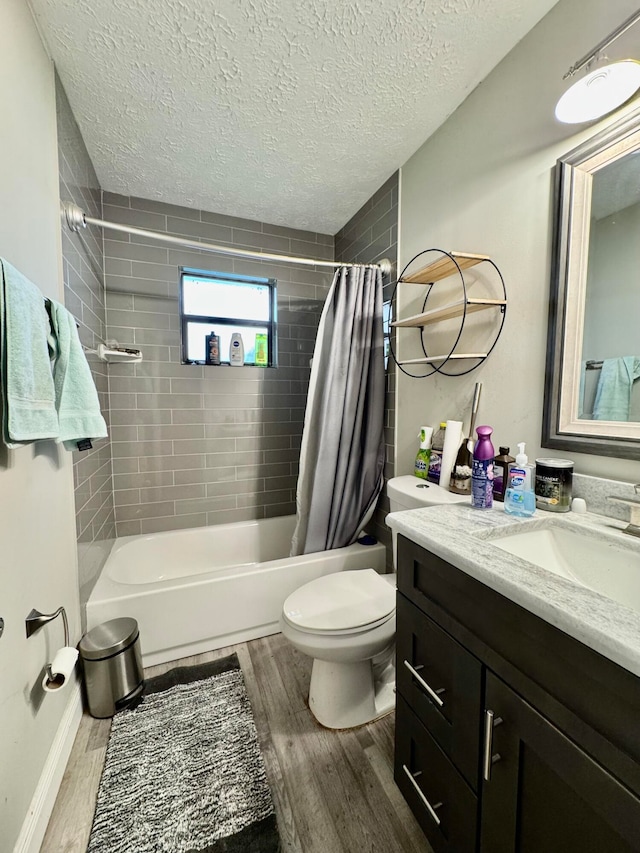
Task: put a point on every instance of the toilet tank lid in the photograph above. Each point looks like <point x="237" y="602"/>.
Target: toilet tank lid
<point x="420" y="492"/>
<point x="350" y="599"/>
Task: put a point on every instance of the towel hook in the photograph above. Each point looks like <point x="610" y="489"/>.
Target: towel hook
<point x="35" y="620"/>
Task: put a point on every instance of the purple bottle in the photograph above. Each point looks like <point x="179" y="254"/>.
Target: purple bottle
<point x="482" y="470"/>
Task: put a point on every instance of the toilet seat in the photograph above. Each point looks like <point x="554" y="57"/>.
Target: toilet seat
<point x="342" y="603"/>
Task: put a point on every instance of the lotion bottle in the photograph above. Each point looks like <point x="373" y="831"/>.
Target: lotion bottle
<point x="519" y="498"/>
<point x="236" y="350"/>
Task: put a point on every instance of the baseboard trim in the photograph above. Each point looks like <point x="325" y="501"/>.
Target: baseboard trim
<point x="35" y="823"/>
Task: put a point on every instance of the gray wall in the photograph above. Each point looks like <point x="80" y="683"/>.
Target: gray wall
<point x="195" y="445"/>
<point x="84" y="296"/>
<point x="484" y="183"/>
<point x="370" y="235"/>
<point x="37" y="557"/>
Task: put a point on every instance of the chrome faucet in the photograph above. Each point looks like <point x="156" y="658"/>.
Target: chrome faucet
<point x="633" y="527"/>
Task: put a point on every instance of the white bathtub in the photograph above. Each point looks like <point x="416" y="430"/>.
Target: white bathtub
<point x="197" y="590"/>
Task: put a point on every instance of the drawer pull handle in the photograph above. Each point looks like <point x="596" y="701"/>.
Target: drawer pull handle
<point x="433" y="693"/>
<point x="431" y="809"/>
<point x="488" y="759"/>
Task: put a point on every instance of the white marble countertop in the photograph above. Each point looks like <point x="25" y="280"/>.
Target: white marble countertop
<point x="462" y="536"/>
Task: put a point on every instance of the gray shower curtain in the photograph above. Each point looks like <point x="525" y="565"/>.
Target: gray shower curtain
<point x="342" y="453"/>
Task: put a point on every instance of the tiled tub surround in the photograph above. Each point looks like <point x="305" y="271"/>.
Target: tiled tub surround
<point x="369" y="236"/>
<point x="84" y="296"/>
<point x="195" y="445"/>
<point x="462" y="536"/>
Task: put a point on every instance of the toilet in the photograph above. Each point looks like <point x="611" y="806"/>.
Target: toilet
<point x="409" y="492"/>
<point x="346" y="622"/>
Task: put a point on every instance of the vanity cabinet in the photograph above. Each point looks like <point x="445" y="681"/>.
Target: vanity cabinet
<point x="510" y="735"/>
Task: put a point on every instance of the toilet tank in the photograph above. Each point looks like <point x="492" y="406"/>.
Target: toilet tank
<point x="410" y="492"/>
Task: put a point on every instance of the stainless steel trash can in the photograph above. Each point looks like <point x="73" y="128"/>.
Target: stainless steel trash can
<point x="112" y="664"/>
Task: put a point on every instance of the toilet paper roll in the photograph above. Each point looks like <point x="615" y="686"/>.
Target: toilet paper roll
<point x="61" y="669"/>
<point x="452" y="439"/>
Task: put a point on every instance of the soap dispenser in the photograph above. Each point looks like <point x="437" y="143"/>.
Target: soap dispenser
<point x="519" y="498"/>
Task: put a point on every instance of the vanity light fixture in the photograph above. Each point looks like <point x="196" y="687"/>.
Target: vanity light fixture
<point x="605" y="87"/>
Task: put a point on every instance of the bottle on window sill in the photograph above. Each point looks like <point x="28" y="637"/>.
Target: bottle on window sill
<point x="236" y="350"/>
<point x="212" y="349"/>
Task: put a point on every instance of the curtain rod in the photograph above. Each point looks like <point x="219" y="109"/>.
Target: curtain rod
<point x="606" y="41"/>
<point x="76" y="219"/>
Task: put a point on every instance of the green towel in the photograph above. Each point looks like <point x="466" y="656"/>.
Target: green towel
<point x="76" y="396"/>
<point x="28" y="395"/>
<point x="613" y="394"/>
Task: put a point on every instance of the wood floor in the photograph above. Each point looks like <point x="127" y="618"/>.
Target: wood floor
<point x="333" y="791"/>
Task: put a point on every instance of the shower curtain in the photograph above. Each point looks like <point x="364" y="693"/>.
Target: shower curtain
<point x="342" y="453"/>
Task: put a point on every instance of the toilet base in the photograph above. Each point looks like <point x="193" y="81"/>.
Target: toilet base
<point x="345" y="695"/>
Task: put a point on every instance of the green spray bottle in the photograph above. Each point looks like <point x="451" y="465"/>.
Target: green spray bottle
<point x="421" y="467"/>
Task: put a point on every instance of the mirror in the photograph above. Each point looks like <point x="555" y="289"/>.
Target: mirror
<point x="592" y="398"/>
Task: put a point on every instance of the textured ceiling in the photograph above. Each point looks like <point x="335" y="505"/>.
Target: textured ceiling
<point x="287" y="111"/>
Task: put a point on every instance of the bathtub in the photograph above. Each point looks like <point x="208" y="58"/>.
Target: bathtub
<point x="201" y="589"/>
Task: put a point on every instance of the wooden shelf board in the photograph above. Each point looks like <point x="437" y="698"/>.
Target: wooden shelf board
<point x="443" y="268"/>
<point x="448" y="312"/>
<point x="435" y="358"/>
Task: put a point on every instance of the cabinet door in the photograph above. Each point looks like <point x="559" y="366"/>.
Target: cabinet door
<point x="442" y="683"/>
<point x="444" y="805"/>
<point x="544" y="794"/>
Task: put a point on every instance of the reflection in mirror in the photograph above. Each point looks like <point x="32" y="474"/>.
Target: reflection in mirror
<point x="611" y="343"/>
<point x="592" y="387"/>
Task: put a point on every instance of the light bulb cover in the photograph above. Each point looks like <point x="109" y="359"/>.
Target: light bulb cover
<point x="599" y="92"/>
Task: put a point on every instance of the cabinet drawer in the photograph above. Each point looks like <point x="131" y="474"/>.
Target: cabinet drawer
<point x="444" y="805"/>
<point x="442" y="683"/>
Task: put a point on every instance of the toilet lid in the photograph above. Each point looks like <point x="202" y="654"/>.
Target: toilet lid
<point x="340" y="601"/>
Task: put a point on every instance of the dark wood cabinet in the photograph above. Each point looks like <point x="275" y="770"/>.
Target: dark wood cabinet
<point x="544" y="793"/>
<point x="442" y="682"/>
<point x="443" y="803"/>
<point x="491" y="753"/>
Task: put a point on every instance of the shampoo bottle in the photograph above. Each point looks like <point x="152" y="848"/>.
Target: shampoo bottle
<point x="236" y="350"/>
<point x="482" y="471"/>
<point x="421" y="467"/>
<point x="520" y="499"/>
<point x="262" y="352"/>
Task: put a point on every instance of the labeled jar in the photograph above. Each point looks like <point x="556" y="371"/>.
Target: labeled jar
<point x="554" y="479"/>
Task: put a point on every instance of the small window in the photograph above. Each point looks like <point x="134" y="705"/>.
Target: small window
<point x="223" y="305"/>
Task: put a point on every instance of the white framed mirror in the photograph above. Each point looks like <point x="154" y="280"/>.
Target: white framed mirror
<point x="592" y="398"/>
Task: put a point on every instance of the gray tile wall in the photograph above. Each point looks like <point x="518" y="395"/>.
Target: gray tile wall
<point x="195" y="445"/>
<point x="83" y="271"/>
<point x="370" y="235"/>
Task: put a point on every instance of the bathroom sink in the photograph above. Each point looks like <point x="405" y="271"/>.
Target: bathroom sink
<point x="611" y="568"/>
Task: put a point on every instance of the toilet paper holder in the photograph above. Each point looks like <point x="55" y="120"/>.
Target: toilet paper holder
<point x="35" y="620"/>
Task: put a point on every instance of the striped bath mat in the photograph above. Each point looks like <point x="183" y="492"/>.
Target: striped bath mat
<point x="183" y="770"/>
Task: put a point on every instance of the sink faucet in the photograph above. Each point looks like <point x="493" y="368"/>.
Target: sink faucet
<point x="633" y="527"/>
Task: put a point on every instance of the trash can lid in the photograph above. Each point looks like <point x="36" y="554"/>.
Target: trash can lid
<point x="107" y="639"/>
